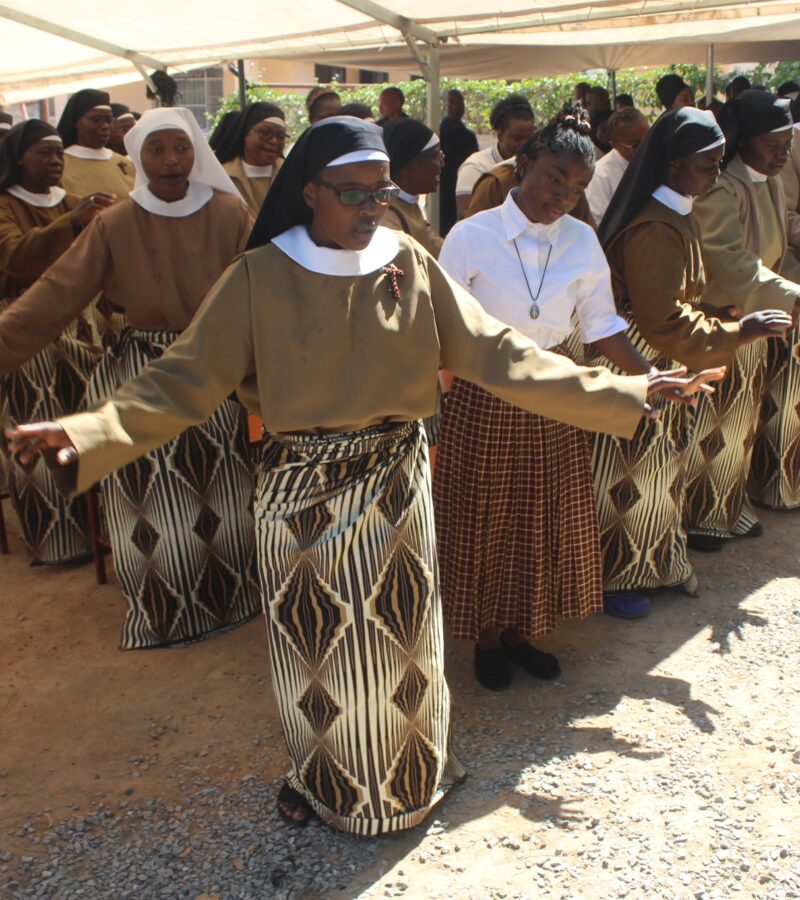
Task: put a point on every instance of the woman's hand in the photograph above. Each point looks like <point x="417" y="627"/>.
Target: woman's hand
<point x="672" y="386"/>
<point x="28" y="440"/>
<point x="764" y="324"/>
<point x="88" y="207"/>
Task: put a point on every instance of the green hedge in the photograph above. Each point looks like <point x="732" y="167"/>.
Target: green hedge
<point x="545" y="94"/>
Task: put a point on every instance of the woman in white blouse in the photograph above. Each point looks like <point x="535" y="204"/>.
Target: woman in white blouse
<point x="515" y="513"/>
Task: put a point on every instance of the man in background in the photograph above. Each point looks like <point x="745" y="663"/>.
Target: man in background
<point x="457" y="143"/>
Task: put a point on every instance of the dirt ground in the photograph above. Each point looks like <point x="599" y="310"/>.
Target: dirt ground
<point x="664" y="762"/>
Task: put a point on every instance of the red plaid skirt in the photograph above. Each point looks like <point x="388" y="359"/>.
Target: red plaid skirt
<point x="516" y="523"/>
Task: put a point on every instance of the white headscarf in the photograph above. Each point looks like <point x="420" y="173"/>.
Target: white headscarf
<point x="207" y="174"/>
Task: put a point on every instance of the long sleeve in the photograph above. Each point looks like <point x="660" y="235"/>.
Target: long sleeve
<point x="180" y="389"/>
<point x="654" y="272"/>
<point x="39" y="315"/>
<point x="479" y="348"/>
<point x="737" y="277"/>
<point x="24" y="255"/>
<point x="790" y="176"/>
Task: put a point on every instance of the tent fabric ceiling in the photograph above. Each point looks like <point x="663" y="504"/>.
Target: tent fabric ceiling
<point x="537" y="36"/>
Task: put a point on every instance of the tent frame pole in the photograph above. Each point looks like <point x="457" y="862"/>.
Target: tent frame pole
<point x="431" y="72"/>
<point x="242" y="83"/>
<point x="612" y="83"/>
<point x="710" y="75"/>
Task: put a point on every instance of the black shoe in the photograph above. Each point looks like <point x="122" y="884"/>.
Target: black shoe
<point x="534" y="662"/>
<point x="705" y="543"/>
<point x="756" y="530"/>
<point x="491" y="668"/>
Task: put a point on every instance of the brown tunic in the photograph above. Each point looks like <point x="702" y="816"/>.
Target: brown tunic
<point x="493" y="187"/>
<point x="155" y="268"/>
<point x="31" y="239"/>
<point x="253" y="190"/>
<point x="658" y="280"/>
<point x="408" y="217"/>
<point x="312" y="352"/>
<point x="84" y="176"/>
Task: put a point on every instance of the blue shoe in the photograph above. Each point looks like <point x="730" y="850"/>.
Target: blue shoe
<point x="626" y="605"/>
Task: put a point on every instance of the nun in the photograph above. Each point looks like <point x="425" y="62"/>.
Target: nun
<point x="250" y="148"/>
<point x="332" y="329"/>
<point x="38" y="222"/>
<point x="179" y="513"/>
<point x="90" y="164"/>
<point x="415" y="162"/>
<point x="742" y="222"/>
<point x="673" y="91"/>
<point x="124" y="120"/>
<point x="652" y="241"/>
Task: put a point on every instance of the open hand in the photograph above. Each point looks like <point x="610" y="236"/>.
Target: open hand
<point x="28" y="440"/>
<point x="673" y="386"/>
<point x="764" y="324"/>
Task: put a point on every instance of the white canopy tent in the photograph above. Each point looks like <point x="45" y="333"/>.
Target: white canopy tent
<point x="67" y="44"/>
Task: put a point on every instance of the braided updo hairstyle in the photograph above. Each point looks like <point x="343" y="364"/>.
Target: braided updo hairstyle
<point x="566" y="134"/>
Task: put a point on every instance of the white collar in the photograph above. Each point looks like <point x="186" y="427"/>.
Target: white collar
<point x="679" y="203"/>
<point x="409" y="198"/>
<point x="296" y="243"/>
<point x="797" y="125"/>
<point x="257" y="171"/>
<point x="516" y="222"/>
<point x="45" y="201"/>
<point x="196" y="198"/>
<point x="496" y="154"/>
<point x="80" y="152"/>
<point x="755" y="177"/>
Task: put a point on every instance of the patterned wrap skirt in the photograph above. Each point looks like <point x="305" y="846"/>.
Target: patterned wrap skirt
<point x="640" y="487"/>
<point x="775" y="473"/>
<point x="50" y="385"/>
<point x="718" y="463"/>
<point x="345" y="536"/>
<point x="180" y="518"/>
<point x="515" y="518"/>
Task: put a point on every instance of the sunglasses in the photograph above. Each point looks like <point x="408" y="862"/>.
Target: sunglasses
<point x="357" y="197"/>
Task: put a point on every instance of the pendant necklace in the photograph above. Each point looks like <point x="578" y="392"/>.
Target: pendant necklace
<point x="534" y="310"/>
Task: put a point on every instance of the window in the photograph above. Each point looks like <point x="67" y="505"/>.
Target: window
<point x="201" y="92"/>
<point x="367" y="76"/>
<point x="328" y="74"/>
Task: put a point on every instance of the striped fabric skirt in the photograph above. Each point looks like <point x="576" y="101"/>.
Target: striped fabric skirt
<point x="51" y="384"/>
<point x="640" y="487"/>
<point x="515" y="518"/>
<point x="775" y="473"/>
<point x="344" y="527"/>
<point x="180" y="518"/>
<point x="718" y="463"/>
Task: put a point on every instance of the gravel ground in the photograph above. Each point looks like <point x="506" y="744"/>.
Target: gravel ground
<point x="665" y="762"/>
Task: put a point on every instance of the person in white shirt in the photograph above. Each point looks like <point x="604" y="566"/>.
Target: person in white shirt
<point x="517" y="531"/>
<point x="626" y="129"/>
<point x="512" y="121"/>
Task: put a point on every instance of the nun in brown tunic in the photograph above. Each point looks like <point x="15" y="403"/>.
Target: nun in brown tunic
<point x="654" y="249"/>
<point x="334" y="330"/>
<point x="250" y="147"/>
<point x="180" y="516"/>
<point x="742" y="222"/>
<point x="38" y="222"/>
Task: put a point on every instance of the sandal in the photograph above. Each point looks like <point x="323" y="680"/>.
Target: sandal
<point x="534" y="662"/>
<point x="491" y="668"/>
<point x="291" y="797"/>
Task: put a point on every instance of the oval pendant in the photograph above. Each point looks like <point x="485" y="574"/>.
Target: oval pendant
<point x="535" y="311"/>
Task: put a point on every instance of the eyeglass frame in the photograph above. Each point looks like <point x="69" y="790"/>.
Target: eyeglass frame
<point x="393" y="189"/>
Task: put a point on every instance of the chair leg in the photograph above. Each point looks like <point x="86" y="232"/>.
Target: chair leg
<point x="3" y="534"/>
<point x="98" y="550"/>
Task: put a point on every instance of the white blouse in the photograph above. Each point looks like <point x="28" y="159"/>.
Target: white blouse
<point x="474" y="166"/>
<point x="608" y="173"/>
<point x="479" y="254"/>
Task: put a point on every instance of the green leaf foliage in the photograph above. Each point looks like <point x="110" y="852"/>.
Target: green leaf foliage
<point x="546" y="95"/>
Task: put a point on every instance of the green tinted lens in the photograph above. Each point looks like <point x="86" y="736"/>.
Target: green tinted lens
<point x="353" y="198"/>
<point x="385" y="195"/>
